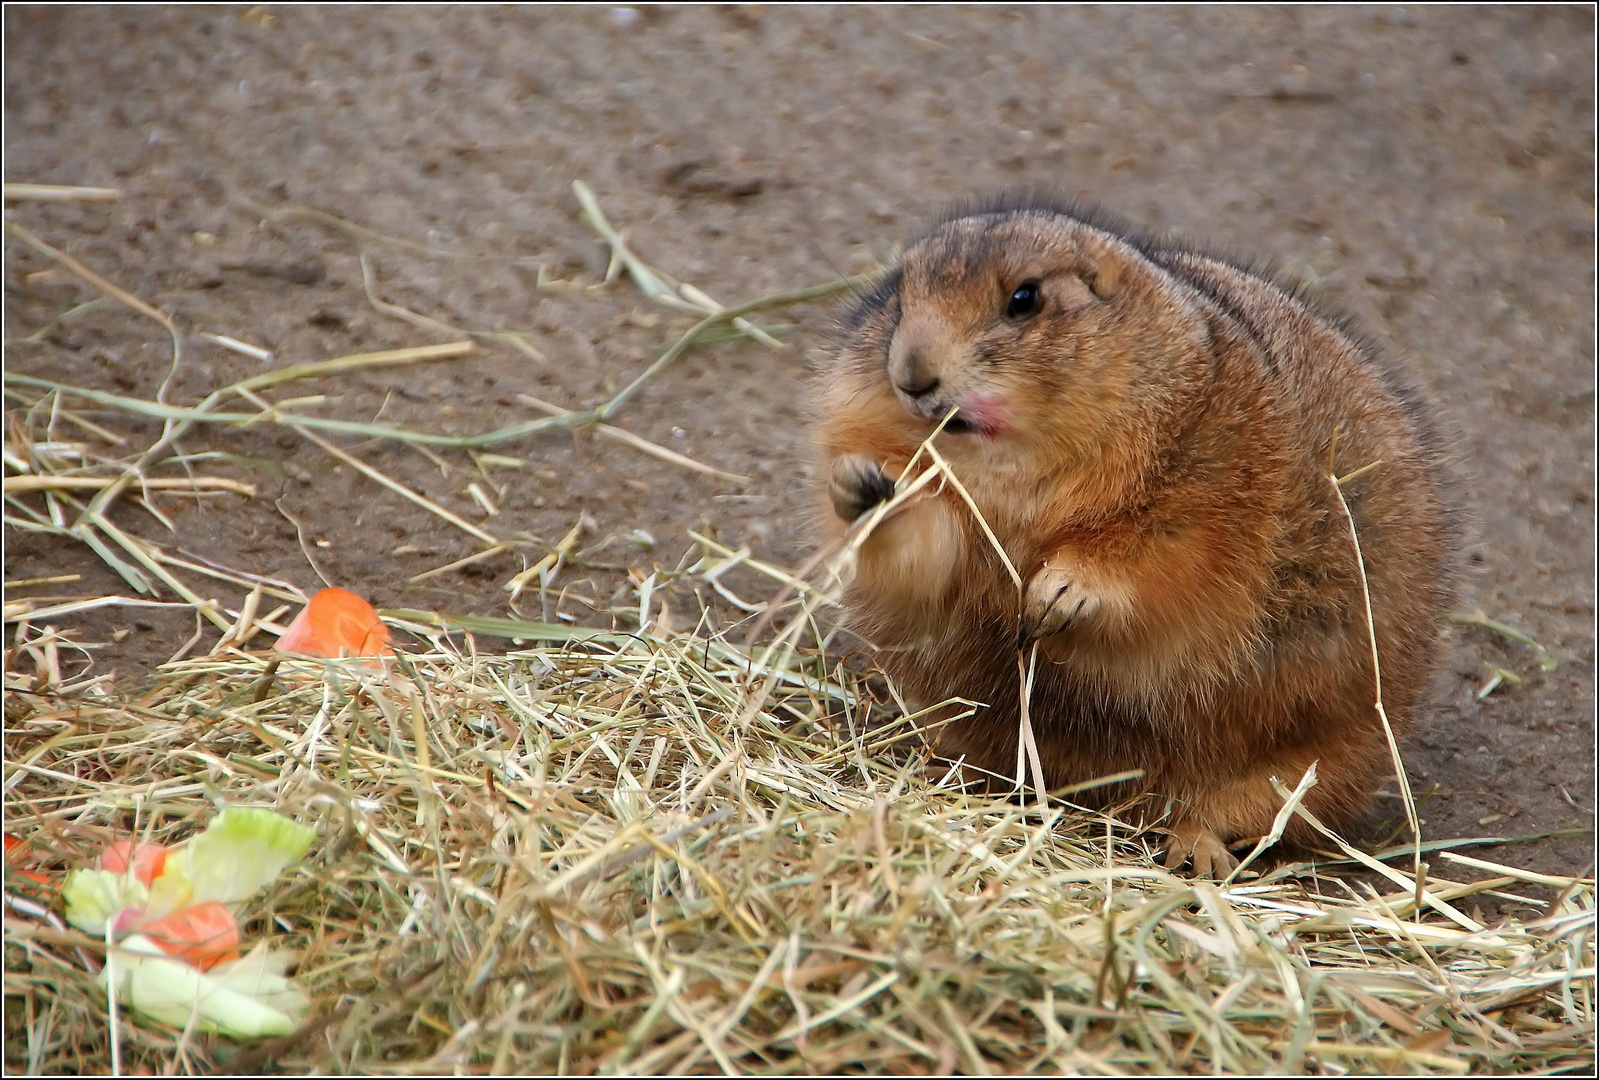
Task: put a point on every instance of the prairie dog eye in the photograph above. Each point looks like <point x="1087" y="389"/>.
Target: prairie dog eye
<point x="1025" y="301"/>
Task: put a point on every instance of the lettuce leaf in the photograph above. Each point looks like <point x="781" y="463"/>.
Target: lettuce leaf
<point x="249" y="998"/>
<point x="242" y="851"/>
<point x="96" y="897"/>
<point x="172" y="891"/>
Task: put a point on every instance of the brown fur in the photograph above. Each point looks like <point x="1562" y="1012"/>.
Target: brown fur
<point x="1154" y="461"/>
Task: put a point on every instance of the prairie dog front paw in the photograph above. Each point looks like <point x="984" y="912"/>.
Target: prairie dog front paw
<point x="1056" y="599"/>
<point x="857" y="485"/>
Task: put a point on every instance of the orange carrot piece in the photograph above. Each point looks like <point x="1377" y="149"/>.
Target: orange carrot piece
<point x="336" y="623"/>
<point x="18" y="850"/>
<point x="148" y="860"/>
<point x="203" y="935"/>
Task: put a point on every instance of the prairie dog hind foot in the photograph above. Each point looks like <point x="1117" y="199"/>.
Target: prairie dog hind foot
<point x="1189" y="841"/>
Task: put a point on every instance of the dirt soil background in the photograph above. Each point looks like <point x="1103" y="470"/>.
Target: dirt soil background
<point x="1429" y="170"/>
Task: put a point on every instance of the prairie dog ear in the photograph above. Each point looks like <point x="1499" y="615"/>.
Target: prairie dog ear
<point x="1071" y="291"/>
<point x="1101" y="270"/>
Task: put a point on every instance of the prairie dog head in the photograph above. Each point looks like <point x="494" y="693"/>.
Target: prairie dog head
<point x="1049" y="338"/>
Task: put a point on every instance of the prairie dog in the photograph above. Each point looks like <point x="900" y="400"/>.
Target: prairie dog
<point x="1150" y="434"/>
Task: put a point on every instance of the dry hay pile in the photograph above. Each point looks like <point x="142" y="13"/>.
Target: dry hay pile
<point x="575" y="858"/>
<point x="659" y="852"/>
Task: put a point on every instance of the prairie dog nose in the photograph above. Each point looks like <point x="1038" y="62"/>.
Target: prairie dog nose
<point x="916" y="358"/>
<point x="915" y="376"/>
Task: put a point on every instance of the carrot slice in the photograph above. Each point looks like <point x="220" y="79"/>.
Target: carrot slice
<point x="148" y="860"/>
<point x="336" y="623"/>
<point x="18" y="850"/>
<point x="203" y="935"/>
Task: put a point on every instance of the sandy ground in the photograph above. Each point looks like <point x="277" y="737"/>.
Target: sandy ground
<point x="1428" y="170"/>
